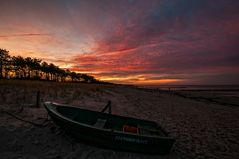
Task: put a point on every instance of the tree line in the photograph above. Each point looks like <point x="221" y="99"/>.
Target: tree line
<point x="18" y="67"/>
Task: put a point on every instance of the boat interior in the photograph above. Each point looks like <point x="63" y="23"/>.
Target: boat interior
<point x="110" y="121"/>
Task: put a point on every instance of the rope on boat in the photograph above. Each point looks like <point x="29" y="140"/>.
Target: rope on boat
<point x="27" y="121"/>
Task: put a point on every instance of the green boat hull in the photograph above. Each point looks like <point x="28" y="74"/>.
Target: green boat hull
<point x="87" y="125"/>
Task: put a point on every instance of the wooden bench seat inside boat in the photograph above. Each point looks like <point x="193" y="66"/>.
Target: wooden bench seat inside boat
<point x="100" y="123"/>
<point x="148" y="131"/>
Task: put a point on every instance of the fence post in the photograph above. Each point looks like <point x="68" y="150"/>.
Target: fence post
<point x="109" y="102"/>
<point x="38" y="99"/>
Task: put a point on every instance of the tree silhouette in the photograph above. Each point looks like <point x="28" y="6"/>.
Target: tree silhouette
<point x="36" y="67"/>
<point x="45" y="69"/>
<point x="4" y="56"/>
<point x="33" y="68"/>
<point x="8" y="68"/>
<point x="73" y="76"/>
<point x="63" y="75"/>
<point x="19" y="66"/>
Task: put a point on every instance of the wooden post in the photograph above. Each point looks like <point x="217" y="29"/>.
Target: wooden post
<point x="109" y="102"/>
<point x="108" y="106"/>
<point x="38" y="99"/>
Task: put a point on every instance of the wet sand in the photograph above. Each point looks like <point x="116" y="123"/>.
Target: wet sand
<point x="202" y="129"/>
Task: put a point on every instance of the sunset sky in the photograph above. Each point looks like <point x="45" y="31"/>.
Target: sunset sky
<point x="129" y="41"/>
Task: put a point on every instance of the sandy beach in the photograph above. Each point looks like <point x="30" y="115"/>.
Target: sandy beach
<point x="202" y="128"/>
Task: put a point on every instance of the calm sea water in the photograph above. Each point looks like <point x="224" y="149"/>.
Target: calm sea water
<point x="195" y="87"/>
<point x="219" y="90"/>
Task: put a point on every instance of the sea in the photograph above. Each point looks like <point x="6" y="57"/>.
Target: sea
<point x="225" y="90"/>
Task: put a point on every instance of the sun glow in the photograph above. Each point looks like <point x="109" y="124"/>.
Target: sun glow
<point x="141" y="80"/>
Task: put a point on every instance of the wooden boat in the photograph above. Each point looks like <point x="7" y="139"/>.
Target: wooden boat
<point x="111" y="131"/>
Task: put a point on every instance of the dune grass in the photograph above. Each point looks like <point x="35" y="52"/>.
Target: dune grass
<point x="39" y="84"/>
<point x="23" y="92"/>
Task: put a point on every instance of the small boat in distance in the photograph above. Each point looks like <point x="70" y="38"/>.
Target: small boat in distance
<point x="111" y="131"/>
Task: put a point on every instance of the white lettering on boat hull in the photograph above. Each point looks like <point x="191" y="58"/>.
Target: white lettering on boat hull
<point x="130" y="139"/>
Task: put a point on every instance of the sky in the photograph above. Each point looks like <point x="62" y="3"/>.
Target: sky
<point x="149" y="42"/>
